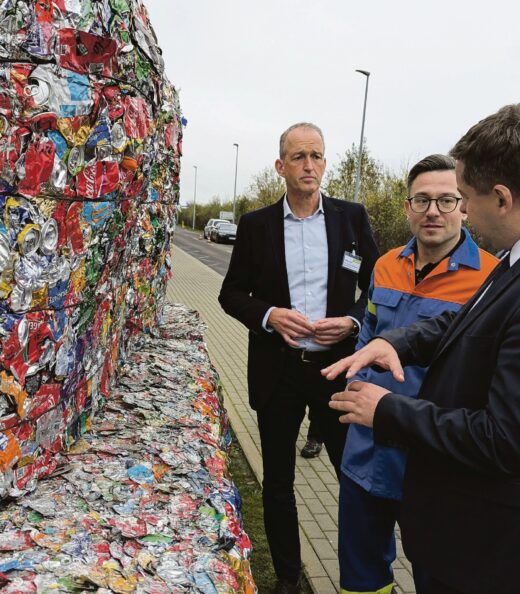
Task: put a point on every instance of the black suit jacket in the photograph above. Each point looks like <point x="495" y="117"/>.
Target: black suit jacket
<point x="257" y="280"/>
<point x="461" y="507"/>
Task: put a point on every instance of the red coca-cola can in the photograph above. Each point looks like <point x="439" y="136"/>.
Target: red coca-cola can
<point x="99" y="179"/>
<point x="39" y="162"/>
<point x="46" y="397"/>
<point x="136" y="119"/>
<point x="74" y="233"/>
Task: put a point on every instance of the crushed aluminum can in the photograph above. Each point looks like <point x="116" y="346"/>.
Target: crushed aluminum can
<point x="5" y="250"/>
<point x="76" y="160"/>
<point x="118" y="137"/>
<point x="49" y="237"/>
<point x="20" y="299"/>
<point x="66" y="93"/>
<point x="98" y="180"/>
<point x="38" y="166"/>
<point x="29" y="239"/>
<point x="81" y="52"/>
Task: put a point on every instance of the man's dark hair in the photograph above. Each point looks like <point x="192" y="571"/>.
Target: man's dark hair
<point x="490" y="151"/>
<point x="430" y="163"/>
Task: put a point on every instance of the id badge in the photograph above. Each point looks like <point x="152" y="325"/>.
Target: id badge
<point x="351" y="262"/>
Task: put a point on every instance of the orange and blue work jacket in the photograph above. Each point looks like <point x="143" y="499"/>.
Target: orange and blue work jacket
<point x="395" y="301"/>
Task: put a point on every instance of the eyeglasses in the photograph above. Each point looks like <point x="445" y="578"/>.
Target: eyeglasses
<point x="445" y="204"/>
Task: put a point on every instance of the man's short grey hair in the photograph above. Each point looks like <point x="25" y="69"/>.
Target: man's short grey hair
<point x="308" y="125"/>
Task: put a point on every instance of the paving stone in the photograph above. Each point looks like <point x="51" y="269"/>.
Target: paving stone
<point x="332" y="510"/>
<point x="315" y="505"/>
<point x="326" y="476"/>
<point x="312" y="564"/>
<point x="332" y="568"/>
<point x="332" y="537"/>
<point x="323" y="548"/>
<point x="304" y="514"/>
<point x="300" y="479"/>
<point x="311" y="529"/>
<point x="323" y="586"/>
<point x="328" y="499"/>
<point x="325" y="522"/>
<point x="317" y="486"/>
<point x="306" y="492"/>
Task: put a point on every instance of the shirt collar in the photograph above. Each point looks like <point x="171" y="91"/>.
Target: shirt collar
<point x="515" y="253"/>
<point x="287" y="212"/>
<point x="467" y="254"/>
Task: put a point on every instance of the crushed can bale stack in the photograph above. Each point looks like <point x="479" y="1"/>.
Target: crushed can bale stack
<point x="90" y="144"/>
<point x="137" y="496"/>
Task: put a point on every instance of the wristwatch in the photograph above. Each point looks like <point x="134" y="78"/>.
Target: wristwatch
<point x="356" y="329"/>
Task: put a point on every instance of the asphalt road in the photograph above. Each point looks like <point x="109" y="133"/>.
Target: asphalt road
<point x="214" y="255"/>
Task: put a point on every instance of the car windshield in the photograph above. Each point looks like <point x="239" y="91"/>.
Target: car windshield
<point x="227" y="227"/>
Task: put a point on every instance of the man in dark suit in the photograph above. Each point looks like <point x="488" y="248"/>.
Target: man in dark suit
<point x="292" y="282"/>
<point x="461" y="502"/>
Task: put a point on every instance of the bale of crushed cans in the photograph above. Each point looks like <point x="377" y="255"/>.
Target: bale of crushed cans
<point x="135" y="498"/>
<point x="90" y="143"/>
<point x="143" y="503"/>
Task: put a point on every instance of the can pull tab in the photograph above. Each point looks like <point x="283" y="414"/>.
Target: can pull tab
<point x="31" y="90"/>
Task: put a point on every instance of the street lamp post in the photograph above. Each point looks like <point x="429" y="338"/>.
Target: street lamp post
<point x="235" y="188"/>
<point x="194" y="197"/>
<point x="360" y="156"/>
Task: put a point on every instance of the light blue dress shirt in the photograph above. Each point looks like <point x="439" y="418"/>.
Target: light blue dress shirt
<point x="307" y="263"/>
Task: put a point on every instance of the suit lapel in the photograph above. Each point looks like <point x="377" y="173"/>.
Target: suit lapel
<point x="471" y="312"/>
<point x="276" y="231"/>
<point x="333" y="227"/>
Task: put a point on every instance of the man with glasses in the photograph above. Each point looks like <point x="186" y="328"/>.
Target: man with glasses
<point x="438" y="270"/>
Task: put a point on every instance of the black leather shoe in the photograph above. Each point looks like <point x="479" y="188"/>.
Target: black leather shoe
<point x="311" y="449"/>
<point x="285" y="587"/>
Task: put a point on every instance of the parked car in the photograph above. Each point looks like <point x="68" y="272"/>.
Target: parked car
<point x="210" y="224"/>
<point x="223" y="232"/>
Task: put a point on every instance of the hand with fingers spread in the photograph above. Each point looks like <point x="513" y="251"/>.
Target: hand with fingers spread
<point x="333" y="330"/>
<point x="359" y="402"/>
<point x="290" y="324"/>
<point x="376" y="352"/>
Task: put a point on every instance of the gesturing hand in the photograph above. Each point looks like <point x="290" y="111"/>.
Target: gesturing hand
<point x="290" y="324"/>
<point x="359" y="402"/>
<point x="376" y="352"/>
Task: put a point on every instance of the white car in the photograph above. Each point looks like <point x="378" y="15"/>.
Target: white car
<point x="210" y="224"/>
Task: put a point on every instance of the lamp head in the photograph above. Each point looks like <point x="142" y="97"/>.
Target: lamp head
<point x="365" y="72"/>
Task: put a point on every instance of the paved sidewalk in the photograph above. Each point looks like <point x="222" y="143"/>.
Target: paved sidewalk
<point x="197" y="286"/>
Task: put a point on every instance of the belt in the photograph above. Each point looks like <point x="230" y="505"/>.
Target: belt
<point x="323" y="358"/>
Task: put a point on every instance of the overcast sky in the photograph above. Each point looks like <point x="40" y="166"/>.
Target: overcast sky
<point x="247" y="70"/>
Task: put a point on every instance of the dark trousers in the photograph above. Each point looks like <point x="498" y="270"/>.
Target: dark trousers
<point x="436" y="587"/>
<point x="279" y="423"/>
<point x="313" y="432"/>
<point x="366" y="540"/>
